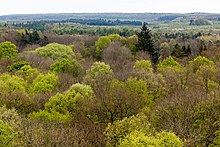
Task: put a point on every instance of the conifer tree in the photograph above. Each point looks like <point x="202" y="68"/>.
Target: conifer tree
<point x="146" y="43"/>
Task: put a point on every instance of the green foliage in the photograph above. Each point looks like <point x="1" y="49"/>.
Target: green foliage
<point x="44" y="83"/>
<point x="98" y="71"/>
<point x="118" y="130"/>
<point x="85" y="91"/>
<point x="56" y="51"/>
<point x="137" y="131"/>
<point x="131" y="43"/>
<point x="101" y="44"/>
<point x="167" y="139"/>
<point x="8" y="50"/>
<point x="146" y="43"/>
<point x="11" y="117"/>
<point x="74" y="100"/>
<point x="154" y="83"/>
<point x="207" y="120"/>
<point x="116" y="37"/>
<point x="113" y="37"/>
<point x="200" y="61"/>
<point x="144" y="65"/>
<point x="216" y="141"/>
<point x="164" y="46"/>
<point x="10" y="127"/>
<point x="65" y="65"/>
<point x="28" y="73"/>
<point x="11" y="84"/>
<point x="7" y="135"/>
<point x="138" y="87"/>
<point x="16" y="66"/>
<point x="169" y="64"/>
<point x="139" y="139"/>
<point x="200" y="22"/>
<point x="62" y="103"/>
<point x="13" y="94"/>
<point x="49" y="116"/>
<point x="116" y="99"/>
<point x="165" y="50"/>
<point x="206" y="75"/>
<point x="173" y="72"/>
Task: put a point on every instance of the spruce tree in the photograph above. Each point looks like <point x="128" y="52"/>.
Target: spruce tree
<point x="146" y="43"/>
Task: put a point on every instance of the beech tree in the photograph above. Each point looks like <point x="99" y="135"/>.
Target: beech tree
<point x="56" y="51"/>
<point x="44" y="83"/>
<point x="8" y="50"/>
<point x="101" y="44"/>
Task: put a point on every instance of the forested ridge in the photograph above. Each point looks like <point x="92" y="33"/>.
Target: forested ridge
<point x="109" y="86"/>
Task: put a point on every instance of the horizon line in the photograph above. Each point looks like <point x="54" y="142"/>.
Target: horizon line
<point x="110" y="13"/>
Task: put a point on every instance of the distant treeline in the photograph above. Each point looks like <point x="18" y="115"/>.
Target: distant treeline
<point x="41" y="25"/>
<point x="104" y="22"/>
<point x="148" y="17"/>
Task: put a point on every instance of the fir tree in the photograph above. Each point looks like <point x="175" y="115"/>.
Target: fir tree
<point x="146" y="43"/>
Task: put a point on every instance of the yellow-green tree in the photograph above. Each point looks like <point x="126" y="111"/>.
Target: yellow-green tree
<point x="101" y="44"/>
<point x="56" y="51"/>
<point x="8" y="50"/>
<point x="44" y="83"/>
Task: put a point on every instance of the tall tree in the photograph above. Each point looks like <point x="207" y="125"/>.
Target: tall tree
<point x="146" y="43"/>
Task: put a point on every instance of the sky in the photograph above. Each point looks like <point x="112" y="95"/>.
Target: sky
<point x="98" y="6"/>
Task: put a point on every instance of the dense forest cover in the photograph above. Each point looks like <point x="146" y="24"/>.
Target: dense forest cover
<point x="153" y="85"/>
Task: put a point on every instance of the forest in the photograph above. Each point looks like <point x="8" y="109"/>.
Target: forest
<point x="75" y="84"/>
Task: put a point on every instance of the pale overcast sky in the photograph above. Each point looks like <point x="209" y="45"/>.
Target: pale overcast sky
<point x="77" y="6"/>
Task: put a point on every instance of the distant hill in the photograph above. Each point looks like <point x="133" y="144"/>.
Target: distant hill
<point x="146" y="17"/>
